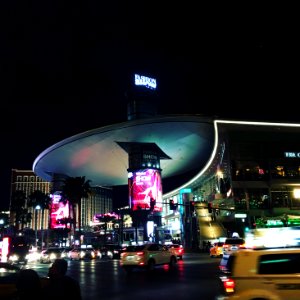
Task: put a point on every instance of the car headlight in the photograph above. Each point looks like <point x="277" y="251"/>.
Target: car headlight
<point x="52" y="256"/>
<point x="14" y="257"/>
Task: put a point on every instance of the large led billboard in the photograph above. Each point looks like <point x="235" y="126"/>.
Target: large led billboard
<point x="59" y="212"/>
<point x="145" y="187"/>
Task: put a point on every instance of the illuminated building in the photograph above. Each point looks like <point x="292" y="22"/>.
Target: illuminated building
<point x="237" y="165"/>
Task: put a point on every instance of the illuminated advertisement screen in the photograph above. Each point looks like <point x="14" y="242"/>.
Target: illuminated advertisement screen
<point x="59" y="211"/>
<point x="145" y="185"/>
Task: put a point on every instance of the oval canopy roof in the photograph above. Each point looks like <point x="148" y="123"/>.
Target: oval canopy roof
<point x="186" y="143"/>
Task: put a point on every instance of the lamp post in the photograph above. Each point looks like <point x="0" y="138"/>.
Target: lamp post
<point x="38" y="207"/>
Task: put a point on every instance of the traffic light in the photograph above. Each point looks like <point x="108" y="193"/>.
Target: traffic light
<point x="209" y="205"/>
<point x="172" y="205"/>
<point x="192" y="206"/>
<point x="152" y="204"/>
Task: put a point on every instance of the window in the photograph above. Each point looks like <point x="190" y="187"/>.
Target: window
<point x="284" y="263"/>
<point x="153" y="247"/>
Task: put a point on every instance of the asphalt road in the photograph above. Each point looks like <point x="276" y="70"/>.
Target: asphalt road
<point x="194" y="278"/>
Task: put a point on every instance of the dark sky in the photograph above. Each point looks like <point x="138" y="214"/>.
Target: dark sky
<point x="66" y="65"/>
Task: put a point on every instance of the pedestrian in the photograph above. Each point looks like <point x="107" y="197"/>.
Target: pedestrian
<point x="208" y="246"/>
<point x="61" y="286"/>
<point x="204" y="246"/>
<point x="28" y="285"/>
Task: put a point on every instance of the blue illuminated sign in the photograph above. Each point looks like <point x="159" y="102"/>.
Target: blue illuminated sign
<point x="147" y="82"/>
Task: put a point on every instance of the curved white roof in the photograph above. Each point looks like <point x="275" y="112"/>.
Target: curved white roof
<point x="96" y="154"/>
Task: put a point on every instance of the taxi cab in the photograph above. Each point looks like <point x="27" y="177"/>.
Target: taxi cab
<point x="177" y="249"/>
<point x="216" y="250"/>
<point x="267" y="273"/>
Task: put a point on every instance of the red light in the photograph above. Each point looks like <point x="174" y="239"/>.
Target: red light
<point x="141" y="253"/>
<point x="229" y="285"/>
<point x="222" y="268"/>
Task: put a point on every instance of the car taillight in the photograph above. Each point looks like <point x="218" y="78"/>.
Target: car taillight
<point x="222" y="268"/>
<point x="140" y="253"/>
<point x="180" y="250"/>
<point x="229" y="285"/>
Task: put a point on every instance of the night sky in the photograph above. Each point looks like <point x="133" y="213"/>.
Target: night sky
<point x="65" y="67"/>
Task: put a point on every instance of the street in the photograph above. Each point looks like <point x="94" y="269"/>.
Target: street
<point x="195" y="277"/>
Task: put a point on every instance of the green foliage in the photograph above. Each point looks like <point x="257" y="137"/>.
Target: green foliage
<point x="74" y="189"/>
<point x="39" y="198"/>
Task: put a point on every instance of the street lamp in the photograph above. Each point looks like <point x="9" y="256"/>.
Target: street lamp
<point x="38" y="207"/>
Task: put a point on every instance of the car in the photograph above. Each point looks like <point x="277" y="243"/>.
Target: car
<point x="216" y="250"/>
<point x="232" y="244"/>
<point x="147" y="256"/>
<point x="223" y="265"/>
<point x="82" y="253"/>
<point x="49" y="255"/>
<point x="18" y="256"/>
<point x="261" y="273"/>
<point x="8" y="278"/>
<point x="111" y="251"/>
<point x="178" y="250"/>
<point x="65" y="252"/>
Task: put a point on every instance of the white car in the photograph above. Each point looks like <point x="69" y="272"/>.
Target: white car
<point x="82" y="253"/>
<point x="50" y="254"/>
<point x="147" y="256"/>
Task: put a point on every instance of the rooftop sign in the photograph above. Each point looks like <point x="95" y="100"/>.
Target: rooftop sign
<point x="147" y="82"/>
<point x="292" y="154"/>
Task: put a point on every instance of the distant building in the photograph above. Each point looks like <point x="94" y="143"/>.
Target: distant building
<point x="28" y="182"/>
<point x="99" y="202"/>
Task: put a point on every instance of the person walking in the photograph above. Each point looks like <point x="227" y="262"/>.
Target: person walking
<point x="61" y="286"/>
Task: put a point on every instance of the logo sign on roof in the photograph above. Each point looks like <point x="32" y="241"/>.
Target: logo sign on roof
<point x="185" y="191"/>
<point x="292" y="154"/>
<point x="145" y="81"/>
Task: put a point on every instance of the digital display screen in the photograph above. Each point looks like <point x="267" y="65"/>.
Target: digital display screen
<point x="145" y="185"/>
<point x="59" y="211"/>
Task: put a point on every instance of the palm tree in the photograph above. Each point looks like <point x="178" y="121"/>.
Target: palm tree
<point x="74" y="189"/>
<point x="17" y="206"/>
<point x="26" y="217"/>
<point x="43" y="200"/>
